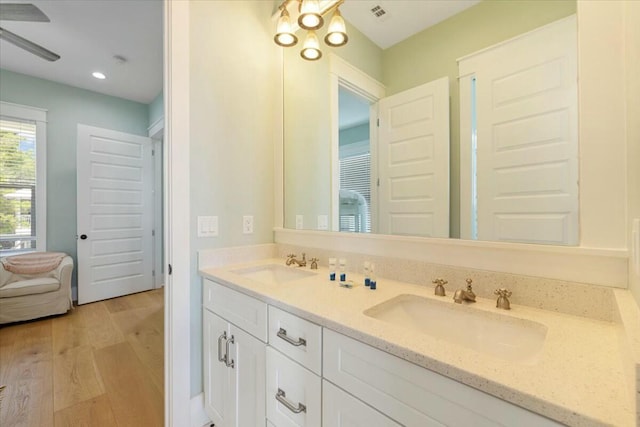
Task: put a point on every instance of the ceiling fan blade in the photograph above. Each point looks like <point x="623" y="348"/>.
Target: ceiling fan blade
<point x="27" y="45"/>
<point x="21" y="12"/>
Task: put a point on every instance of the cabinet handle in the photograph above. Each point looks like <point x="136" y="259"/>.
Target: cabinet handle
<point x="281" y="397"/>
<point x="220" y="338"/>
<point x="282" y="333"/>
<point x="228" y="361"/>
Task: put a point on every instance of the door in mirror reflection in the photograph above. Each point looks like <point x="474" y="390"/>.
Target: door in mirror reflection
<point x="413" y="161"/>
<point x="521" y="101"/>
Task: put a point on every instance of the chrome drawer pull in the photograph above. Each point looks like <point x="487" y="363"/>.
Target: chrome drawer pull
<point x="282" y="333"/>
<point x="220" y="338"/>
<point x="280" y="397"/>
<point x="228" y="360"/>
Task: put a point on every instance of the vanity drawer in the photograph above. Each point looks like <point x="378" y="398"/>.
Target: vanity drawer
<point x="289" y="386"/>
<point x="299" y="339"/>
<point x="412" y="395"/>
<point x="242" y="310"/>
<point x="341" y="409"/>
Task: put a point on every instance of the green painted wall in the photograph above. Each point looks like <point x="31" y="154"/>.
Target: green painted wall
<point x="156" y="109"/>
<point x="433" y="53"/>
<point x="354" y="134"/>
<point x="67" y="107"/>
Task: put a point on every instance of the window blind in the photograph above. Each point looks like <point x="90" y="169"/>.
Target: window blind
<point x="355" y="175"/>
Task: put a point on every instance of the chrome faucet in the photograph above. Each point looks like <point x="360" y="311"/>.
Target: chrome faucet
<point x="462" y="295"/>
<point x="291" y="260"/>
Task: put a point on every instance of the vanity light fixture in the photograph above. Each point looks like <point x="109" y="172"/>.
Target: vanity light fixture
<point x="310" y="18"/>
<point x="284" y="34"/>
<point x="311" y="48"/>
<point x="337" y="32"/>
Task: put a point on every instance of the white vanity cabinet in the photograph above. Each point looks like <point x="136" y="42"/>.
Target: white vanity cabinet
<point x="310" y="376"/>
<point x="414" y="396"/>
<point x="234" y="360"/>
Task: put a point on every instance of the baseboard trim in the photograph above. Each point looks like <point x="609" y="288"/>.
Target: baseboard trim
<point x="199" y="417"/>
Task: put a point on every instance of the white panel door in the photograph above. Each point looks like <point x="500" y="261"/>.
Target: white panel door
<point x="115" y="214"/>
<point x="413" y="161"/>
<point x="527" y="138"/>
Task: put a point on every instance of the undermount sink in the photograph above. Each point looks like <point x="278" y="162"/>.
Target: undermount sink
<point x="498" y="335"/>
<point x="273" y="273"/>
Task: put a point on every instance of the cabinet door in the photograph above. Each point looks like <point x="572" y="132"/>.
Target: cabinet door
<point x="340" y="409"/>
<point x="248" y="385"/>
<point x="219" y="400"/>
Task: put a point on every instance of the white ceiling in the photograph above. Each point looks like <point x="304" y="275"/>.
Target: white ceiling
<point x="87" y="34"/>
<point x="402" y="19"/>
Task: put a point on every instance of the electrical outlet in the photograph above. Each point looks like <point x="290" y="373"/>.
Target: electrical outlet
<point x="323" y="222"/>
<point x="247" y="224"/>
<point x="299" y="222"/>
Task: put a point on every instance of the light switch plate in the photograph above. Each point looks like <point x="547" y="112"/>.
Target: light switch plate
<point x="299" y="222"/>
<point x="323" y="222"/>
<point x="207" y="226"/>
<point x="247" y="224"/>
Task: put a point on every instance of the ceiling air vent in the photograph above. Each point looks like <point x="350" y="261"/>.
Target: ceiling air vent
<point x="379" y="14"/>
<point x="378" y="11"/>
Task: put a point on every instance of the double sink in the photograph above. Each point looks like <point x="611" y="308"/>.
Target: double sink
<point x="502" y="336"/>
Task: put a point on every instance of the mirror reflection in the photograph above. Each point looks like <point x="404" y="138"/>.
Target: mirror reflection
<point x="466" y="129"/>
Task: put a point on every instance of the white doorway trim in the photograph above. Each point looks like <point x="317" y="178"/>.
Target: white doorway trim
<point x="176" y="215"/>
<point x="341" y="73"/>
<point x="156" y="133"/>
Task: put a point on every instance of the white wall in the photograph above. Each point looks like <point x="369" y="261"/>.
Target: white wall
<point x="632" y="27"/>
<point x="233" y="69"/>
<point x="601" y="91"/>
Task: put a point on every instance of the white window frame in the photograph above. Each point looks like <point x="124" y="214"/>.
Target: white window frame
<point x="39" y="116"/>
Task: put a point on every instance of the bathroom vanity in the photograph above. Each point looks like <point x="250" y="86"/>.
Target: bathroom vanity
<point x="287" y="345"/>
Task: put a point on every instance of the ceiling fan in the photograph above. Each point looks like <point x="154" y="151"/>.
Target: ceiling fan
<point x="29" y="13"/>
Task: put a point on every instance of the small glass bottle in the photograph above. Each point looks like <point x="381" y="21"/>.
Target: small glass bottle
<point x="367" y="279"/>
<point x="343" y="269"/>
<point x="332" y="269"/>
<point x="372" y="277"/>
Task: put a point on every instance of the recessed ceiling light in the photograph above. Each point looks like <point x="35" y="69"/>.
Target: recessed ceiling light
<point x="98" y="75"/>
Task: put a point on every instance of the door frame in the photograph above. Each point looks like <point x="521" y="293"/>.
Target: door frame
<point x="177" y="249"/>
<point x="156" y="133"/>
<point x="342" y="73"/>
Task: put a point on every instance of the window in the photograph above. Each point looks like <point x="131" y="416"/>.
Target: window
<point x="355" y="193"/>
<point x="22" y="178"/>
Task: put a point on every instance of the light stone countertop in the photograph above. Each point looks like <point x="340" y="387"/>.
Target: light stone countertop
<point x="580" y="378"/>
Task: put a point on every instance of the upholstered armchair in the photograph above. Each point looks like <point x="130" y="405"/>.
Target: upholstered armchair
<point x="30" y="296"/>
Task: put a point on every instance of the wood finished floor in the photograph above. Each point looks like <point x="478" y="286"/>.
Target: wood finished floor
<point x="99" y="365"/>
